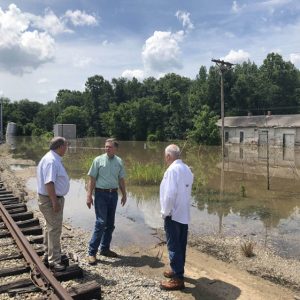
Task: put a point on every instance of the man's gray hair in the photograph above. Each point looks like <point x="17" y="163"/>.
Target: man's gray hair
<point x="173" y="150"/>
<point x="57" y="142"/>
<point x="113" y="141"/>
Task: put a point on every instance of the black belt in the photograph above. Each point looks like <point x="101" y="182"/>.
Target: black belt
<point x="106" y="190"/>
<point x="49" y="197"/>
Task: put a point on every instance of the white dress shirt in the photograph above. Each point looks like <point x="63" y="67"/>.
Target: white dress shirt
<point x="51" y="169"/>
<point x="175" y="192"/>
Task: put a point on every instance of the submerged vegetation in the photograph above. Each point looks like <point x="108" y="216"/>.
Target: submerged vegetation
<point x="145" y="174"/>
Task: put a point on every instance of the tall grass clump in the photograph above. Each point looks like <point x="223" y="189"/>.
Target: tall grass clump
<point x="247" y="248"/>
<point x="145" y="174"/>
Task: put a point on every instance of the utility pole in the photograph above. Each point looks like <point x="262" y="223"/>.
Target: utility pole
<point x="223" y="67"/>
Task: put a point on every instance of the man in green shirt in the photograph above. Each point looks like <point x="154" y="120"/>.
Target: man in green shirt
<point x="106" y="176"/>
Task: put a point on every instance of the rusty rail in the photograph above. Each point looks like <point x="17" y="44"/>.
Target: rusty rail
<point x="40" y="274"/>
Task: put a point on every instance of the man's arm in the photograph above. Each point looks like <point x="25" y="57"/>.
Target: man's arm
<point x="51" y="192"/>
<point x="91" y="187"/>
<point x="123" y="190"/>
<point x="169" y="193"/>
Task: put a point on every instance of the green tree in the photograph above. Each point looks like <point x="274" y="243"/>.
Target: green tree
<point x="245" y="90"/>
<point x="46" y="117"/>
<point x="279" y="84"/>
<point x="118" y="121"/>
<point x="99" y="95"/>
<point x="205" y="130"/>
<point x="66" y="98"/>
<point x="148" y="119"/>
<point x="75" y="115"/>
<point x="198" y="93"/>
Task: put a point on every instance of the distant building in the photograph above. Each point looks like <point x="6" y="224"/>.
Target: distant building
<point x="280" y="130"/>
<point x="68" y="131"/>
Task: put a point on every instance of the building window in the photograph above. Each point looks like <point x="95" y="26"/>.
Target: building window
<point x="241" y="137"/>
<point x="226" y="136"/>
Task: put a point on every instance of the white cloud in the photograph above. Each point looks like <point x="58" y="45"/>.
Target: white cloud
<point x="26" y="40"/>
<point x="237" y="56"/>
<point x="22" y="50"/>
<point x="235" y="7"/>
<point x="42" y="81"/>
<point x="50" y="23"/>
<point x="273" y="3"/>
<point x="38" y="44"/>
<point x="12" y="24"/>
<point x="184" y="17"/>
<point x="254" y="6"/>
<point x="106" y="43"/>
<point x="295" y="58"/>
<point x="80" y="18"/>
<point x="82" y="62"/>
<point x="161" y="51"/>
<point x="138" y="74"/>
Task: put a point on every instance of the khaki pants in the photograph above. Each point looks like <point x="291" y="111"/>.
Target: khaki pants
<point x="53" y="228"/>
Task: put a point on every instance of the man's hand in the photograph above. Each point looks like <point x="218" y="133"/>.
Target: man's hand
<point x="89" y="201"/>
<point x="123" y="200"/>
<point x="56" y="206"/>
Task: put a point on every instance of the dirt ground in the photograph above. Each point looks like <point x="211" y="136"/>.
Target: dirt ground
<point x="206" y="277"/>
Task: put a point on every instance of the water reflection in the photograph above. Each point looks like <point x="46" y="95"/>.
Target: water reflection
<point x="230" y="196"/>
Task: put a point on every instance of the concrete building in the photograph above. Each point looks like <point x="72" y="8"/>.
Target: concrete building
<point x="67" y="131"/>
<point x="279" y="130"/>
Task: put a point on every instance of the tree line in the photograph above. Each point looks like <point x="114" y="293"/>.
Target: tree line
<point x="171" y="107"/>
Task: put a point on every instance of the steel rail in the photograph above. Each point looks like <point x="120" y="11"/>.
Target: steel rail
<point x="42" y="276"/>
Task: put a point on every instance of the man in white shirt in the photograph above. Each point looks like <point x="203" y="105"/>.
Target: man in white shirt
<point x="53" y="185"/>
<point x="175" y="195"/>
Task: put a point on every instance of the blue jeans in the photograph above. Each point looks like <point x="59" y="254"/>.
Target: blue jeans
<point x="176" y="234"/>
<point x="105" y="208"/>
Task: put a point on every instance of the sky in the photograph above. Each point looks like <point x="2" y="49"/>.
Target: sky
<point x="48" y="45"/>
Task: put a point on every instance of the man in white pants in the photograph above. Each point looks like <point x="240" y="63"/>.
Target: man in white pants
<point x="53" y="185"/>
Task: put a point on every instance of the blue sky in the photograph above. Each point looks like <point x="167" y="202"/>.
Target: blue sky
<point x="48" y="45"/>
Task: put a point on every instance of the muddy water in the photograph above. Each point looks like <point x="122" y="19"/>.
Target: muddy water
<point x="235" y="201"/>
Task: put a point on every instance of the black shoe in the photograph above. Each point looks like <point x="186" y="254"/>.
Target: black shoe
<point x="45" y="260"/>
<point x="108" y="253"/>
<point x="58" y="267"/>
<point x="64" y="260"/>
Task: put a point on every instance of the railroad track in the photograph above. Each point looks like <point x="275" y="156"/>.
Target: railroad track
<point x="16" y="224"/>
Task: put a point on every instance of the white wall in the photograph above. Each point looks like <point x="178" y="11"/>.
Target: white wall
<point x="251" y="135"/>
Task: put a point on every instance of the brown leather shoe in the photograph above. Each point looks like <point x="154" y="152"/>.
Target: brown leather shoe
<point x="172" y="284"/>
<point x="92" y="260"/>
<point x="169" y="274"/>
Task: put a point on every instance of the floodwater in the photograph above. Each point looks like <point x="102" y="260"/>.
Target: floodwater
<point x="254" y="193"/>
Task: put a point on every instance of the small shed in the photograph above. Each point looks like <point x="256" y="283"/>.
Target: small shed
<point x="278" y="130"/>
<point x="67" y="131"/>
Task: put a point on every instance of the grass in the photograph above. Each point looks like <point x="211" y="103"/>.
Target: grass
<point x="145" y="174"/>
<point x="247" y="248"/>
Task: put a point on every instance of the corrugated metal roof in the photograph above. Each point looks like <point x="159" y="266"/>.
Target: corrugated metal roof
<point x="262" y="121"/>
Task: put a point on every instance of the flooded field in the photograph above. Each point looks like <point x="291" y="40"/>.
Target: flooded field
<point x="235" y="201"/>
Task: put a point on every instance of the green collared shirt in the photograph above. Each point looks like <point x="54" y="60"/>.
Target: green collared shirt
<point x="107" y="171"/>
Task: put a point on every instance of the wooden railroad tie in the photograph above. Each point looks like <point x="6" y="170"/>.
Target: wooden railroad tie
<point x="30" y="227"/>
